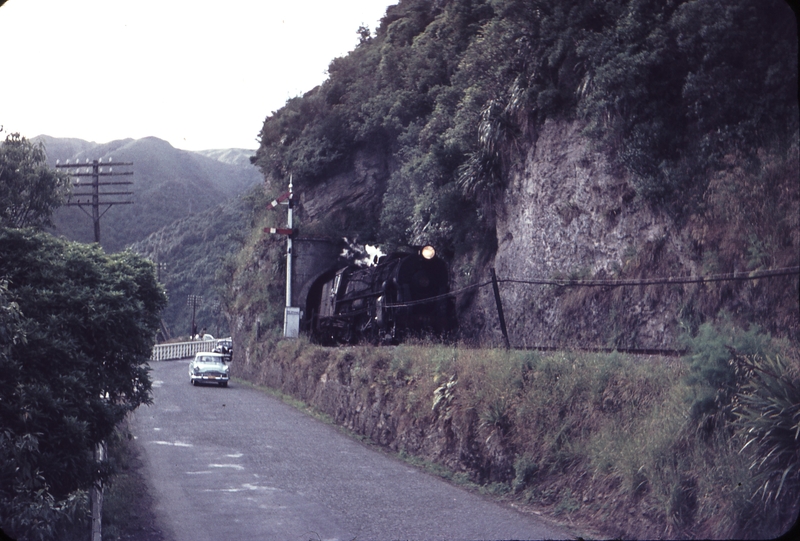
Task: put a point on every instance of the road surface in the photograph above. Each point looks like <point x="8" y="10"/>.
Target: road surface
<point x="237" y="464"/>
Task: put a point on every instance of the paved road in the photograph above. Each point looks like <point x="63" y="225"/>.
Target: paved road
<point x="236" y="464"/>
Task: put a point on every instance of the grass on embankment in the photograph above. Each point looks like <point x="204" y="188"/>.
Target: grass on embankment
<point x="128" y="507"/>
<point x="612" y="442"/>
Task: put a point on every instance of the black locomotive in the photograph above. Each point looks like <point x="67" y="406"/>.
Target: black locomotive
<point x="402" y="294"/>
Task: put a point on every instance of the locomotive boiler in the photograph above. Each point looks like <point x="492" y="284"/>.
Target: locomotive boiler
<point x="402" y="294"/>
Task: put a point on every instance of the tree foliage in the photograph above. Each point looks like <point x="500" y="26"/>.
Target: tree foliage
<point x="681" y="85"/>
<point x="712" y="374"/>
<point x="77" y="328"/>
<point x="448" y="89"/>
<point x="29" y="190"/>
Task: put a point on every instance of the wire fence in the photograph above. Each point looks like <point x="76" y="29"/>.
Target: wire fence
<point x="611" y="283"/>
<point x="604" y="283"/>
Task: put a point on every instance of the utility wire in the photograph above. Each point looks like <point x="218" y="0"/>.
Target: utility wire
<point x="728" y="277"/>
<point x="752" y="275"/>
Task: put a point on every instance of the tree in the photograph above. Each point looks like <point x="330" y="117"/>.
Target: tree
<point x="29" y="190"/>
<point x="77" y="327"/>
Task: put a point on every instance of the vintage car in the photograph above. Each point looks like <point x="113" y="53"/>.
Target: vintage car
<point x="208" y="367"/>
<point x="225" y="346"/>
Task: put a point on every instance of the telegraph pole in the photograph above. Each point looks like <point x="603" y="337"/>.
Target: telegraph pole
<point x="94" y="198"/>
<point x="193" y="301"/>
<point x="500" y="315"/>
<point x="161" y="266"/>
<point x="97" y="496"/>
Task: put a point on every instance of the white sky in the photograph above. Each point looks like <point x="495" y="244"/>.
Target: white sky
<point x="199" y="74"/>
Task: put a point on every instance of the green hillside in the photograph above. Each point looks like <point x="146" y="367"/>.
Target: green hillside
<point x="195" y="253"/>
<point x="168" y="184"/>
<point x="693" y="104"/>
<point x="451" y="91"/>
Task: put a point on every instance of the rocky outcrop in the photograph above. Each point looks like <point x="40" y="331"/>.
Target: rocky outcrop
<point x="568" y="213"/>
<point x="350" y="196"/>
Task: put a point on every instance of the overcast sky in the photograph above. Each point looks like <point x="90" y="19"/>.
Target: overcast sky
<point x="199" y="74"/>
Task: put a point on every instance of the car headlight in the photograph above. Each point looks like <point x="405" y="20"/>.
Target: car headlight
<point x="196" y="370"/>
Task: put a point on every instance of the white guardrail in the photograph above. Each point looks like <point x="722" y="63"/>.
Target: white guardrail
<point x="181" y="350"/>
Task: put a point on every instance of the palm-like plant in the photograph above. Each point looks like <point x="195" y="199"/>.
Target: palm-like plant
<point x="767" y="410"/>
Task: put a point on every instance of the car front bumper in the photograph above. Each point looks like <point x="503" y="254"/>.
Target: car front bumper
<point x="205" y="378"/>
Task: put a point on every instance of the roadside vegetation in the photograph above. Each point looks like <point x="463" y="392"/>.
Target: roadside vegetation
<point x="628" y="446"/>
<point x="128" y="512"/>
<point x="77" y="327"/>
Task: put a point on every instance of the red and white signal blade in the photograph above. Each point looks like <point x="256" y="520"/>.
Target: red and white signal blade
<point x="279" y="200"/>
<point x="278" y="230"/>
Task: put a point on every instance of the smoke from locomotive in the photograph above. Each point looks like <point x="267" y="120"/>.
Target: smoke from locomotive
<point x="403" y="294"/>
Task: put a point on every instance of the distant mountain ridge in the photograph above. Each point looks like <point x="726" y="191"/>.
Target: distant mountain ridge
<point x="168" y="184"/>
<point x="233" y="156"/>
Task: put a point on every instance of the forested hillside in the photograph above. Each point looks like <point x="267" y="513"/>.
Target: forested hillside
<point x="168" y="184"/>
<point x="187" y="215"/>
<point x="450" y="89"/>
<point x="195" y="256"/>
<point x="648" y="138"/>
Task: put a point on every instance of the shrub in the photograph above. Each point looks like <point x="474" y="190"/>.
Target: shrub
<point x="525" y="469"/>
<point x="767" y="414"/>
<point x="712" y="368"/>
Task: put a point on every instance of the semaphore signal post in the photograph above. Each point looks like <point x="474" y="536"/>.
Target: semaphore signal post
<point x="90" y="194"/>
<point x="291" y="314"/>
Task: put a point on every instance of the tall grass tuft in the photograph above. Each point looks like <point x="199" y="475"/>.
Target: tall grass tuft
<point x="767" y="411"/>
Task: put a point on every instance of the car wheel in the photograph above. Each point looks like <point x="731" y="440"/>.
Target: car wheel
<point x="223" y="383"/>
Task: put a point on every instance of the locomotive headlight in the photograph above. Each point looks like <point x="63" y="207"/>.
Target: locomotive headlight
<point x="428" y="252"/>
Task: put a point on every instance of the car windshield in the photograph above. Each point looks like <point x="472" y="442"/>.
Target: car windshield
<point x="209" y="359"/>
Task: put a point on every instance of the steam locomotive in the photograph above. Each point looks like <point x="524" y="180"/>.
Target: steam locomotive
<point x="402" y="294"/>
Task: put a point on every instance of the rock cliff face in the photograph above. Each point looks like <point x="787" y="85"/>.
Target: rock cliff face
<point x="352" y="195"/>
<point x="568" y="214"/>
